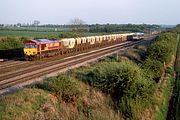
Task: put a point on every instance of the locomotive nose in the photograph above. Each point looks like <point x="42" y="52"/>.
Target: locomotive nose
<point x="30" y="52"/>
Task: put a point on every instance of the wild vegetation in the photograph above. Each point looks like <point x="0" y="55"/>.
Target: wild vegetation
<point x="11" y="47"/>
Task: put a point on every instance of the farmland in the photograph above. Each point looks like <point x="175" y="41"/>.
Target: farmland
<point x="26" y="33"/>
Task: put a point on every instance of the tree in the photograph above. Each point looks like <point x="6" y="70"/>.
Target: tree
<point x="19" y="25"/>
<point x="78" y="25"/>
<point x="36" y="23"/>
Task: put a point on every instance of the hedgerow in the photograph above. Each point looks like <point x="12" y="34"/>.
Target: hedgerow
<point x="10" y="43"/>
<point x="11" y="47"/>
<point x="160" y="53"/>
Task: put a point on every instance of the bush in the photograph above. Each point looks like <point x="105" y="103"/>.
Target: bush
<point x="10" y="43"/>
<point x="125" y="82"/>
<point x="153" y="67"/>
<point x="160" y="51"/>
<point x="11" y="47"/>
<point x="64" y="87"/>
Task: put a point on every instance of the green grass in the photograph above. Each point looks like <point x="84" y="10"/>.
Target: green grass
<point x="26" y="33"/>
<point x="177" y="69"/>
<point x="177" y="97"/>
<point x="23" y="104"/>
<point x="169" y="95"/>
<point x="177" y="65"/>
<point x="16" y="33"/>
<point x="162" y="106"/>
<point x="47" y="29"/>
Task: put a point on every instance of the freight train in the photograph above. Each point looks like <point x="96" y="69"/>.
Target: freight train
<point x="38" y="49"/>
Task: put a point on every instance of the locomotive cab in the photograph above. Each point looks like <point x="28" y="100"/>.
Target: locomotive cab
<point x="30" y="49"/>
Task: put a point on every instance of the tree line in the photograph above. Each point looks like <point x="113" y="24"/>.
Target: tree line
<point x="78" y="25"/>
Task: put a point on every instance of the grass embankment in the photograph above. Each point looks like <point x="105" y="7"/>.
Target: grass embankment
<point x="174" y="108"/>
<point x="163" y="94"/>
<point x="114" y="89"/>
<point x="177" y="69"/>
<point x="163" y="108"/>
<point x="58" y="98"/>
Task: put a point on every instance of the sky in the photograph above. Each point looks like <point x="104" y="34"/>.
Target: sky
<point x="90" y="11"/>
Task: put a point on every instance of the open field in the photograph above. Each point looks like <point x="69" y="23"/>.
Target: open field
<point x="26" y="33"/>
<point x="35" y="33"/>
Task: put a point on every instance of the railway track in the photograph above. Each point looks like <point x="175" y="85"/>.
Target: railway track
<point x="15" y="78"/>
<point x="10" y="66"/>
<point x="15" y="66"/>
<point x="9" y="63"/>
<point x="41" y="64"/>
